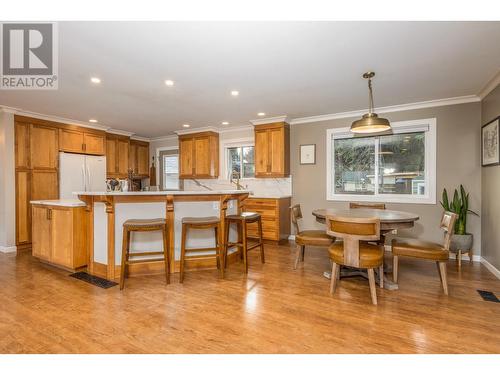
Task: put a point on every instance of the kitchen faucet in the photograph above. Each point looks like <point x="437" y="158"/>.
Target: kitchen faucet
<point x="232" y="176"/>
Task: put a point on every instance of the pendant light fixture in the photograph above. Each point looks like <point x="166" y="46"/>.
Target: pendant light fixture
<point x="370" y="122"/>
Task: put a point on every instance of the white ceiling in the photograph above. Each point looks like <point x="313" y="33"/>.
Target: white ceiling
<point x="297" y="69"/>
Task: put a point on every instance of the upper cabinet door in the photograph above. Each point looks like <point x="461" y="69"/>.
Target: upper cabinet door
<point x="202" y="156"/>
<point x="43" y="147"/>
<point x="272" y="150"/>
<point x="44" y="185"/>
<point x="262" y="167"/>
<point x="22" y="139"/>
<point x="111" y="157"/>
<point x="132" y="158"/>
<point x="94" y="144"/>
<point x="186" y="152"/>
<point x="143" y="160"/>
<point x="71" y="140"/>
<point x="123" y="157"/>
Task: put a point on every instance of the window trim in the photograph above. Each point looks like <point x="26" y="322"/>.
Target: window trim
<point x="398" y="128"/>
<point x="241" y="142"/>
<point x="158" y="169"/>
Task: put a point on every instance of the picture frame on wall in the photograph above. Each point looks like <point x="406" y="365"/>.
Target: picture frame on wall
<point x="307" y="154"/>
<point x="490" y="143"/>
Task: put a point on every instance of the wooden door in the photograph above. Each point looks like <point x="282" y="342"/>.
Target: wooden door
<point x="276" y="151"/>
<point x="22" y="145"/>
<point x="132" y="158"/>
<point x="202" y="156"/>
<point x="62" y="236"/>
<point x="71" y="140"/>
<point x="41" y="245"/>
<point x="142" y="160"/>
<point x="44" y="185"/>
<point x="123" y="157"/>
<point x="44" y="147"/>
<point x="94" y="144"/>
<point x="186" y="157"/>
<point x="261" y="154"/>
<point x="111" y="157"/>
<point x="23" y="209"/>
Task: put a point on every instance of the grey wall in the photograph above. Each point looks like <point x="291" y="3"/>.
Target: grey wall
<point x="458" y="162"/>
<point x="490" y="108"/>
<point x="7" y="183"/>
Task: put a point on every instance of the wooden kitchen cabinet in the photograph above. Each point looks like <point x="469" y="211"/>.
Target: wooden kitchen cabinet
<point x="117" y="156"/>
<point x="199" y="155"/>
<point x="275" y="214"/>
<point x="59" y="235"/>
<point x="36" y="161"/>
<point x="82" y="141"/>
<point x="272" y="150"/>
<point x="139" y="158"/>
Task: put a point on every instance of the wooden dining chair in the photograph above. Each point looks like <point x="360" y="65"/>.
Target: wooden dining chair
<point x="354" y="250"/>
<point x="305" y="238"/>
<point x="427" y="250"/>
<point x="378" y="206"/>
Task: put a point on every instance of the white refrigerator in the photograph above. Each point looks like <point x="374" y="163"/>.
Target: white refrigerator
<point x="80" y="173"/>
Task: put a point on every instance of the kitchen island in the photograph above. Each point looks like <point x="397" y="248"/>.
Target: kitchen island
<point x="105" y="213"/>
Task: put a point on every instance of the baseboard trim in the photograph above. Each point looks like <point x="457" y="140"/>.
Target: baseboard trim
<point x="475" y="258"/>
<point x="8" y="249"/>
<point x="491" y="268"/>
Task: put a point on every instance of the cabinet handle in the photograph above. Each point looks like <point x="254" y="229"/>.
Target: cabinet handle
<point x="49" y="214"/>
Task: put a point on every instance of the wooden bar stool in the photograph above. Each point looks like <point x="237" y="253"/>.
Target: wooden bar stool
<point x="201" y="223"/>
<point x="242" y="220"/>
<point x="144" y="225"/>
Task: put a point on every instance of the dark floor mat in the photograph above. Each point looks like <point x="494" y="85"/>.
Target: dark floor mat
<point x="488" y="296"/>
<point x="94" y="280"/>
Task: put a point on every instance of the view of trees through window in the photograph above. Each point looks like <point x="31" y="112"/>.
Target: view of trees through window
<point x="388" y="164"/>
<point x="241" y="161"/>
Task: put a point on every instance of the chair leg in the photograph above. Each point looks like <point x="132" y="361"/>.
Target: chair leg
<point x="459" y="258"/>
<point x="439" y="272"/>
<point x="373" y="286"/>
<point x="244" y="247"/>
<point x="183" y="251"/>
<point x="303" y="253"/>
<point x="166" y="254"/>
<point x="381" y="276"/>
<point x="217" y="258"/>
<point x="334" y="278"/>
<point x="297" y="258"/>
<point x="395" y="264"/>
<point x="226" y="241"/>
<point x="124" y="256"/>
<point x="262" y="257"/>
<point x="444" y="281"/>
<point x="470" y="255"/>
<point x="219" y="252"/>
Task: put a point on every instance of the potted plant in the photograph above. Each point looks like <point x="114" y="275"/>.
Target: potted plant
<point x="460" y="240"/>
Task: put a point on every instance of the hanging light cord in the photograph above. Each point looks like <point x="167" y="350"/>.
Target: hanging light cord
<point x="370" y="110"/>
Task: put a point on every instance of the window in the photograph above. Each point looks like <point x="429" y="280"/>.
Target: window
<point x="240" y="161"/>
<point x="395" y="167"/>
<point x="169" y="167"/>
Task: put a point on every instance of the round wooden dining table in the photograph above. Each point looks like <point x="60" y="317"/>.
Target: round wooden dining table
<point x="389" y="221"/>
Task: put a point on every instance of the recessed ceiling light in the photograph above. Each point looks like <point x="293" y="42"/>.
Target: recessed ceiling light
<point x="261" y="114"/>
<point x="235" y="93"/>
<point x="169" y="82"/>
<point x="225" y="123"/>
<point x="95" y="80"/>
<point x="186" y="125"/>
<point x="92" y="120"/>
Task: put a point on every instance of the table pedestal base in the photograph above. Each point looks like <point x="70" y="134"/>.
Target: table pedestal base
<point x="353" y="272"/>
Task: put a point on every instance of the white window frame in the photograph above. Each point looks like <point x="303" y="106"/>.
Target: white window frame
<point x="400" y="127"/>
<point x="241" y="142"/>
<point x="158" y="171"/>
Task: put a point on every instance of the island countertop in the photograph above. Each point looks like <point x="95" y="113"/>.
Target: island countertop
<point x="163" y="192"/>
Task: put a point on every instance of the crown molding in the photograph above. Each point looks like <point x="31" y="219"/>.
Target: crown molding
<point x="389" y="109"/>
<point x="270" y="120"/>
<point x="197" y="130"/>
<point x="163" y="138"/>
<point x="490" y="86"/>
<point x="235" y="129"/>
<point x="138" y="138"/>
<point x="119" y="132"/>
<point x="20" y="112"/>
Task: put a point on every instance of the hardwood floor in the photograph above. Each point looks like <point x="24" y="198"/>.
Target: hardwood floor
<point x="272" y="310"/>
